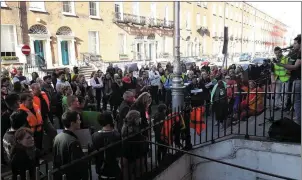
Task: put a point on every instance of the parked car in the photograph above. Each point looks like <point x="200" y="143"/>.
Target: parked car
<point x="245" y="57"/>
<point x="258" y="60"/>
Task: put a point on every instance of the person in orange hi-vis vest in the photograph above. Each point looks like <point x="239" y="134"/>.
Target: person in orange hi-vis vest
<point x="171" y="124"/>
<point x="34" y="118"/>
<point x="40" y="99"/>
<point x="196" y="119"/>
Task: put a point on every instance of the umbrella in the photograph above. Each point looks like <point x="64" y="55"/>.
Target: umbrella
<point x="205" y="63"/>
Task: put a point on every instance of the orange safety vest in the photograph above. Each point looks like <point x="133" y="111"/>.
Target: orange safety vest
<point x="196" y="119"/>
<point x="35" y="121"/>
<point x="166" y="131"/>
<point x="37" y="101"/>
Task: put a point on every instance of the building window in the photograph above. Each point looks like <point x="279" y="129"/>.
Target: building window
<point x="93" y="40"/>
<point x="153" y="12"/>
<point x="214" y="8"/>
<point x="118" y="9"/>
<point x="122" y="43"/>
<point x="231" y="15"/>
<point x="205" y="4"/>
<point x="220" y="11"/>
<point x="136" y="8"/>
<point x="214" y="30"/>
<point x="204" y="50"/>
<point x="94" y="9"/>
<point x="37" y="6"/>
<point x="8" y="41"/>
<point x="198" y="3"/>
<point x="68" y="8"/>
<point x="198" y="20"/>
<point x="227" y="12"/>
<point x="188" y="21"/>
<point x="164" y="44"/>
<point x="3" y="4"/>
<point x="166" y="15"/>
<point x="204" y="20"/>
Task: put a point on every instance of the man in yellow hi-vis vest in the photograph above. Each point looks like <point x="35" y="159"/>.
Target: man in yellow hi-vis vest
<point x="280" y="78"/>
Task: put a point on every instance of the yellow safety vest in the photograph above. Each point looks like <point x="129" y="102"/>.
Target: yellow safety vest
<point x="281" y="72"/>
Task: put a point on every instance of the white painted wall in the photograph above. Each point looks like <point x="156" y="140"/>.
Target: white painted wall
<point x="179" y="170"/>
<point x="277" y="158"/>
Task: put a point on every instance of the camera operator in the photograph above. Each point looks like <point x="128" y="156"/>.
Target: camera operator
<point x="265" y="74"/>
<point x="280" y="78"/>
<point x="295" y="68"/>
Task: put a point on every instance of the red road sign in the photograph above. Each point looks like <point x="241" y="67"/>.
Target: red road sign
<point x="25" y="50"/>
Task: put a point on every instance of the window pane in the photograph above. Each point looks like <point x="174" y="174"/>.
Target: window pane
<point x="67" y="6"/>
<point x="7" y="40"/>
<point x="92" y="7"/>
<point x="37" y="5"/>
<point x="92" y="42"/>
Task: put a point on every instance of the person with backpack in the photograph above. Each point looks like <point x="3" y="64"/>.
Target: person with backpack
<point x="160" y="116"/>
<point x="107" y="165"/>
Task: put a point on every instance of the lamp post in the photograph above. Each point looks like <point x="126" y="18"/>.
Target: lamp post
<point x="177" y="87"/>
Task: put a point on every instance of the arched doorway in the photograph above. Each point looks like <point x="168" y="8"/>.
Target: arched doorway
<point x="40" y="44"/>
<point x="66" y="46"/>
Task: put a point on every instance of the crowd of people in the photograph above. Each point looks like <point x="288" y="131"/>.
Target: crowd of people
<point x="123" y="98"/>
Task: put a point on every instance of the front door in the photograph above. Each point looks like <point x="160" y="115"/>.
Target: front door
<point x="65" y="52"/>
<point x="39" y="48"/>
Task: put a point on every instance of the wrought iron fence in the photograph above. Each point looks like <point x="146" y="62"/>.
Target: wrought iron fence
<point x="163" y="141"/>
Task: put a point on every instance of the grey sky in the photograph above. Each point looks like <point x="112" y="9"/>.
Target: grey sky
<point x="287" y="12"/>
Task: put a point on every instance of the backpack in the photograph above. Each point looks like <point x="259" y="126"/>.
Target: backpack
<point x="285" y="130"/>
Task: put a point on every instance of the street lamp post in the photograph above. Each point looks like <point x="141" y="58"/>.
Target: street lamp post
<point x="177" y="87"/>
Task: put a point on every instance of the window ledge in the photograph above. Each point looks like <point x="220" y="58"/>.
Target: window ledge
<point x="69" y="14"/>
<point x="37" y="10"/>
<point x="95" y="17"/>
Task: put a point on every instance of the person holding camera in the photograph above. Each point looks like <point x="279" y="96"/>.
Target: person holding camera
<point x="295" y="68"/>
<point x="280" y="78"/>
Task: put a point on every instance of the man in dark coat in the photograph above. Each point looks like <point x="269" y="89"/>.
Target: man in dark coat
<point x="67" y="148"/>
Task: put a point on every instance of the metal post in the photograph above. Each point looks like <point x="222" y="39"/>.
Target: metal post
<point x="177" y="87"/>
<point x="241" y="27"/>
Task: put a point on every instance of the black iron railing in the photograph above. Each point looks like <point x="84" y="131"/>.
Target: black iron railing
<point x="174" y="137"/>
<point x="142" y="20"/>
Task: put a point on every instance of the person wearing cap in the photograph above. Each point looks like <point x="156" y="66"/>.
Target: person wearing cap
<point x="19" y="77"/>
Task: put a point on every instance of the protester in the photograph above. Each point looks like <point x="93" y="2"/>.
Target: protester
<point x="67" y="148"/>
<point x="34" y="118"/>
<point x="134" y="153"/>
<point x="17" y="120"/>
<point x="97" y="85"/>
<point x="107" y="165"/>
<point x="24" y="155"/>
<point x="124" y="108"/>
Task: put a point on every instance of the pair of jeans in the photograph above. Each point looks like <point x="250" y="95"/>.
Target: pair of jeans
<point x="280" y="94"/>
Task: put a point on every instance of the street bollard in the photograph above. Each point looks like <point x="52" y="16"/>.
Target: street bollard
<point x="37" y="173"/>
<point x="64" y="177"/>
<point x="27" y="176"/>
<point x="18" y="177"/>
<point x="49" y="175"/>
